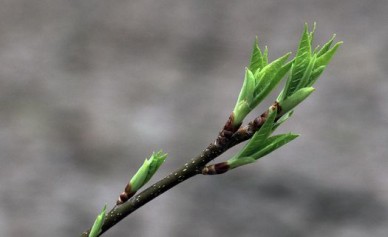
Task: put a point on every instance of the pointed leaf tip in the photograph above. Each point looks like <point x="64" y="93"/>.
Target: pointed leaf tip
<point x="325" y="58"/>
<point x="256" y="61"/>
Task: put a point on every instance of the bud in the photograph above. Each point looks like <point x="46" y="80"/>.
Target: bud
<point x="96" y="228"/>
<point x="142" y="176"/>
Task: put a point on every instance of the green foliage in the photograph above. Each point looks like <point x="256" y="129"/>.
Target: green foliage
<point x="258" y="85"/>
<point x="268" y="78"/>
<point x="96" y="228"/>
<point x="261" y="78"/>
<point x="244" y="101"/>
<point x="308" y="65"/>
<point x="257" y="58"/>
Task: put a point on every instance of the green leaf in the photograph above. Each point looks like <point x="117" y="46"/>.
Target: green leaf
<point x="243" y="104"/>
<point x="259" y="137"/>
<point x="301" y="62"/>
<point x="325" y="58"/>
<point x="305" y="80"/>
<point x="269" y="77"/>
<point x="257" y="59"/>
<point x="326" y="47"/>
<point x="248" y="87"/>
<point x="267" y="146"/>
<point x="234" y="163"/>
<point x="241" y="110"/>
<point x="265" y="56"/>
<point x="315" y="74"/>
<point x="274" y="143"/>
<point x="289" y="103"/>
<point x="96" y="228"/>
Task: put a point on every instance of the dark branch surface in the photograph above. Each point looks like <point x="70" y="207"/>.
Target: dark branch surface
<point x="228" y="137"/>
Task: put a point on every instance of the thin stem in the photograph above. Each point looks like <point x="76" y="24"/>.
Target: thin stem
<point x="229" y="136"/>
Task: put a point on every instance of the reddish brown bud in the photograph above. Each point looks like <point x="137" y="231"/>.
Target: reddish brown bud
<point x="126" y="195"/>
<point x="122" y="198"/>
<point x="219" y="168"/>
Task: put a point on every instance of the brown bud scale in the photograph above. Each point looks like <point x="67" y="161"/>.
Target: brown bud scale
<point x="218" y="168"/>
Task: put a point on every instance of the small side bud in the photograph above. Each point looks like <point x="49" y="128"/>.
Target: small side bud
<point x="126" y="195"/>
<point x="142" y="176"/>
<point x="219" y="168"/>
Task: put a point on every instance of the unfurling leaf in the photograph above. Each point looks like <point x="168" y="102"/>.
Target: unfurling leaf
<point x="257" y="60"/>
<point x="325" y="58"/>
<point x="264" y="148"/>
<point x="147" y="170"/>
<point x="273" y="143"/>
<point x="307" y="66"/>
<point x="244" y="101"/>
<point x="269" y="77"/>
<point x="292" y="101"/>
<point x="142" y="176"/>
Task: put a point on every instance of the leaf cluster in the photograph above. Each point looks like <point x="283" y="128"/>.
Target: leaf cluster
<point x="262" y="77"/>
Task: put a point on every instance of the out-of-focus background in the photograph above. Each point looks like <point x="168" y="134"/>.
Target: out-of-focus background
<point x="88" y="89"/>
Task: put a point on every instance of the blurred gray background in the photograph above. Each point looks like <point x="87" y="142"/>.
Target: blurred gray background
<point x="88" y="89"/>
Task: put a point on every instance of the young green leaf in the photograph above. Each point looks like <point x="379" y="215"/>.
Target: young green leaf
<point x="325" y="58"/>
<point x="274" y="143"/>
<point x="257" y="59"/>
<point x="293" y="100"/>
<point x="268" y="72"/>
<point x="305" y="80"/>
<point x="265" y="56"/>
<point x="301" y="62"/>
<point x="248" y="87"/>
<point x="314" y="75"/>
<point x="244" y="101"/>
<point x="326" y="47"/>
<point x="266" y="146"/>
<point x="269" y="77"/>
<point x="234" y="163"/>
<point x="96" y="228"/>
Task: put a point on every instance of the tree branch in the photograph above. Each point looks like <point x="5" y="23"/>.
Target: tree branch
<point x="228" y="137"/>
<point x="260" y="79"/>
